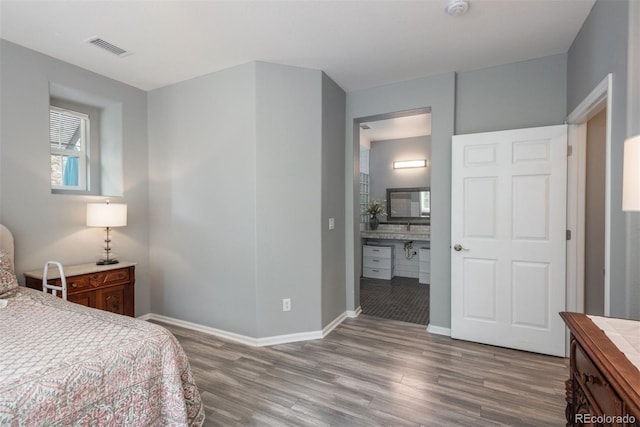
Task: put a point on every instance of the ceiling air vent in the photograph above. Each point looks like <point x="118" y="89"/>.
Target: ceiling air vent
<point x="365" y="126"/>
<point x="118" y="51"/>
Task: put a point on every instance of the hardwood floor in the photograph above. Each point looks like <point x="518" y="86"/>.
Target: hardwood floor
<point x="370" y="372"/>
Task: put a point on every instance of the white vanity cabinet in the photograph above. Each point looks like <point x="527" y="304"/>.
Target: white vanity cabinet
<point x="425" y="265"/>
<point x="378" y="262"/>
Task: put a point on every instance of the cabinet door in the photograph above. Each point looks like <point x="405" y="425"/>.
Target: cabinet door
<point x="88" y="299"/>
<point x="112" y="299"/>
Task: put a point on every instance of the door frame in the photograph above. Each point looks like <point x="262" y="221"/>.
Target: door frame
<point x="600" y="97"/>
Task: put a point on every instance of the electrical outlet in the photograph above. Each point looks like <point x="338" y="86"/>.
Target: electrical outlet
<point x="286" y="304"/>
<point x="332" y="223"/>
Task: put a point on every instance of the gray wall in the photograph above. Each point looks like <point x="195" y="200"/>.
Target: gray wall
<point x="288" y="197"/>
<point x="239" y="163"/>
<point x="519" y="95"/>
<point x="381" y="158"/>
<point x="601" y="48"/>
<point x="52" y="226"/>
<point x="488" y="99"/>
<point x="202" y="192"/>
<point x="333" y="201"/>
<point x="437" y="92"/>
<point x="633" y="128"/>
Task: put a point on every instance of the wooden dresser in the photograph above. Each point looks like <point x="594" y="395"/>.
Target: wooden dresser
<point x="106" y="287"/>
<point x="603" y="386"/>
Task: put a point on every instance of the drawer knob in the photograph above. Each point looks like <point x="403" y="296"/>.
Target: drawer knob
<point x="590" y="379"/>
<point x="74" y="285"/>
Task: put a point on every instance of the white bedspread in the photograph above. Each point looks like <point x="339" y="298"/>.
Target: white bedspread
<point x="625" y="334"/>
<point x="65" y="364"/>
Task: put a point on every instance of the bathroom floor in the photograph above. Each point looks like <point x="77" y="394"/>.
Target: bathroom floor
<point x="400" y="298"/>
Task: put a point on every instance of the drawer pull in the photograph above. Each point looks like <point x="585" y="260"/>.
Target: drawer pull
<point x="375" y="250"/>
<point x="591" y="379"/>
<point x="376" y="271"/>
<point x="375" y="260"/>
<point x="74" y="285"/>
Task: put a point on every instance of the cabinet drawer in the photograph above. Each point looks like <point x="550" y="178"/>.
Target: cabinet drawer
<point x="95" y="280"/>
<point x="425" y="267"/>
<point x="424" y="278"/>
<point x="376" y="262"/>
<point x="377" y="273"/>
<point x="377" y="251"/>
<point x="594" y="383"/>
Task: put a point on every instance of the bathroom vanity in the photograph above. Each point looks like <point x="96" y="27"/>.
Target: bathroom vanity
<point x="393" y="250"/>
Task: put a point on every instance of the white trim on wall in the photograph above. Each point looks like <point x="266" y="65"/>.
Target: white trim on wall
<point x="600" y="96"/>
<point x="354" y="313"/>
<point x="439" y="330"/>
<point x="250" y="341"/>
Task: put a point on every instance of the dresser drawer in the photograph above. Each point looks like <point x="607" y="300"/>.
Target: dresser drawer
<point x="377" y="251"/>
<point x="378" y="273"/>
<point x="593" y="382"/>
<point x="95" y="280"/>
<point x="376" y="262"/>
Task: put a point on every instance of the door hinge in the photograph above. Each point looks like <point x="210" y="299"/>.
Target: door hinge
<point x="568" y="234"/>
<point x="569" y="150"/>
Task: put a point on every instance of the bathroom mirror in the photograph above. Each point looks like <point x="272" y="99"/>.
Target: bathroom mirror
<point x="409" y="204"/>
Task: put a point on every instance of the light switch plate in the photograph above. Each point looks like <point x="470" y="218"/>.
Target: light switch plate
<point x="332" y="223"/>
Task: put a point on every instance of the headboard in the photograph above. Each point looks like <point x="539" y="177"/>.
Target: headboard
<point x="6" y="242"/>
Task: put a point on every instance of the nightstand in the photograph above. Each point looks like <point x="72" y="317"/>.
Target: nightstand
<point x="105" y="287"/>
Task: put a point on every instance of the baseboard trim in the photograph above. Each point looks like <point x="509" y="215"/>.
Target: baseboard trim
<point x="332" y="325"/>
<point x="232" y="336"/>
<point x="439" y="330"/>
<point x="354" y="313"/>
<point x="243" y="339"/>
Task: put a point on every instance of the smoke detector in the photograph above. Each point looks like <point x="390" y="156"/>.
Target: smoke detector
<point x="457" y="7"/>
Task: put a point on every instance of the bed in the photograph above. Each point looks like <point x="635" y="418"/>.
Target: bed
<point x="66" y="364"/>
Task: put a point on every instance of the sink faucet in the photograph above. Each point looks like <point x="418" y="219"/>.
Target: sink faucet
<point x="408" y="225"/>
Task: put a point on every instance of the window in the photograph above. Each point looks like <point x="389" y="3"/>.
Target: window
<point x="68" y="142"/>
<point x="364" y="197"/>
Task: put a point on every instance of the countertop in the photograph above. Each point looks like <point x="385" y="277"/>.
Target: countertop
<point x="75" y="270"/>
<point x="419" y="234"/>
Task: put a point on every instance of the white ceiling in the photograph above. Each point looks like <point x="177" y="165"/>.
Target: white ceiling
<point x="359" y="44"/>
<point x="398" y="127"/>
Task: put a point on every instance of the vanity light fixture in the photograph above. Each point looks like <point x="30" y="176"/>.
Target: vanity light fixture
<point x="631" y="175"/>
<point x="410" y="164"/>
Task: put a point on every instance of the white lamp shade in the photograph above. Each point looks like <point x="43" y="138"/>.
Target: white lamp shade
<point x="106" y="214"/>
<point x="631" y="177"/>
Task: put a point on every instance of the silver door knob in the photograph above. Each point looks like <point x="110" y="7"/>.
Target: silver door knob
<point x="458" y="247"/>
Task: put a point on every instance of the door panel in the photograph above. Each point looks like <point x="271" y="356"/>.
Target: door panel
<point x="508" y="238"/>
<point x="480" y="289"/>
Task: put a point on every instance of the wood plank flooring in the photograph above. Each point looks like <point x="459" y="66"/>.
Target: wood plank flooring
<point x="374" y="372"/>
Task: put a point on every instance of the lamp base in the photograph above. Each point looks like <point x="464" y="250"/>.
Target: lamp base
<point x="107" y="262"/>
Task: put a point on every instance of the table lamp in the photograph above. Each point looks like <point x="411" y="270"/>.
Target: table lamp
<point x="631" y="175"/>
<point x="107" y="215"/>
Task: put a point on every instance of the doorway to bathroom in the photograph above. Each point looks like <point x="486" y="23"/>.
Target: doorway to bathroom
<point x="394" y="202"/>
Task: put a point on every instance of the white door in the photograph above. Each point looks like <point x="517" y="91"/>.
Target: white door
<point x="508" y="236"/>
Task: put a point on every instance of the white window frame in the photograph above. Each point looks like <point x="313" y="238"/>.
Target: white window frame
<point x="82" y="154"/>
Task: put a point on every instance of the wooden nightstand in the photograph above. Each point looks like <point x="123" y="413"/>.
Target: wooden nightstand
<point x="106" y="287"/>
